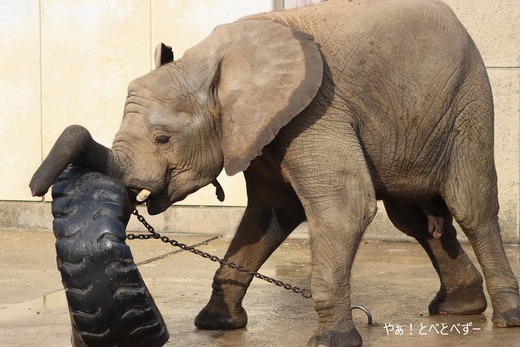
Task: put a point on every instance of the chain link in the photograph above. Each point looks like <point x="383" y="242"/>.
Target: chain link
<point x="155" y="235"/>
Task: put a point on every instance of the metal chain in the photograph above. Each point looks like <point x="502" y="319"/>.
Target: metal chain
<point x="155" y="235"/>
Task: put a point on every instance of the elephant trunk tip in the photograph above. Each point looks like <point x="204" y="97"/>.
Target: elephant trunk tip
<point x="38" y="185"/>
<point x="35" y="193"/>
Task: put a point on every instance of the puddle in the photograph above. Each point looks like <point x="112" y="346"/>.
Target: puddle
<point x="53" y="300"/>
<point x="27" y="309"/>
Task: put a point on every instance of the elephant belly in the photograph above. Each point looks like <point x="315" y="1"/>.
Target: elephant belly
<point x="408" y="170"/>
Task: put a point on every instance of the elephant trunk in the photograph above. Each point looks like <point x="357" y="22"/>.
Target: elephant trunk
<point x="74" y="146"/>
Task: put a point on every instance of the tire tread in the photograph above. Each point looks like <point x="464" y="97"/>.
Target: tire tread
<point x="109" y="303"/>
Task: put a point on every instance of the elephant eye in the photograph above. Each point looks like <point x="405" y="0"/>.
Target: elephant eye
<point x="162" y="139"/>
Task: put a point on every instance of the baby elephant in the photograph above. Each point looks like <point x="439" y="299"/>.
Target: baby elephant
<point x="325" y="109"/>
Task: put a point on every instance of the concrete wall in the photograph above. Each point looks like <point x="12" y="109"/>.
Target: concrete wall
<point x="70" y="61"/>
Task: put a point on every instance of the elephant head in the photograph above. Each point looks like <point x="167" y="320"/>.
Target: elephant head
<point x="216" y="107"/>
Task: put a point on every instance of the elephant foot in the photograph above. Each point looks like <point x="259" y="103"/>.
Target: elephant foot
<point x="219" y="317"/>
<point x="459" y="301"/>
<point x="506" y="311"/>
<point x="349" y="338"/>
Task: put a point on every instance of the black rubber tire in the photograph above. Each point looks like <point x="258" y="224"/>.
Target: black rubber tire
<point x="108" y="301"/>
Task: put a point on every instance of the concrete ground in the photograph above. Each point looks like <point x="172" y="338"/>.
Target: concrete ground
<point x="394" y="280"/>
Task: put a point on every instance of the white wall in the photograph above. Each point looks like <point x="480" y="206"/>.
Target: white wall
<point x="20" y="78"/>
<point x="68" y="62"/>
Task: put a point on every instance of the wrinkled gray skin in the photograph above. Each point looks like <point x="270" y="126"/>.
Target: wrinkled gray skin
<point x="390" y="101"/>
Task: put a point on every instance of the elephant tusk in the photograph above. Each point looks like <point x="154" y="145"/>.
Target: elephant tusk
<point x="143" y="195"/>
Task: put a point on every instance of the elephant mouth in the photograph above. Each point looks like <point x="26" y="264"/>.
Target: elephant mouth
<point x="155" y="202"/>
<point x="158" y="204"/>
<point x="159" y="201"/>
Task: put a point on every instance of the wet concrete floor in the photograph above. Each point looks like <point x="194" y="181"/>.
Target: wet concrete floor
<point x="394" y="280"/>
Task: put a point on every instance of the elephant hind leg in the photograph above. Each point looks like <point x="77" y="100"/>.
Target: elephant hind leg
<point x="471" y="196"/>
<point x="470" y="192"/>
<point x="461" y="289"/>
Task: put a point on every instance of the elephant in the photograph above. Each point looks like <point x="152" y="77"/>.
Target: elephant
<point x="325" y="109"/>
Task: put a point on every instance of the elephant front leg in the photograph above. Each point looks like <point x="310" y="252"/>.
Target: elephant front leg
<point x="335" y="187"/>
<point x="262" y="229"/>
<point x="224" y="310"/>
<point x="334" y="242"/>
<point x="339" y="207"/>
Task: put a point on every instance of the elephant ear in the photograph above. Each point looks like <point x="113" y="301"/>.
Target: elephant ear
<point x="265" y="74"/>
<point x="163" y="55"/>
